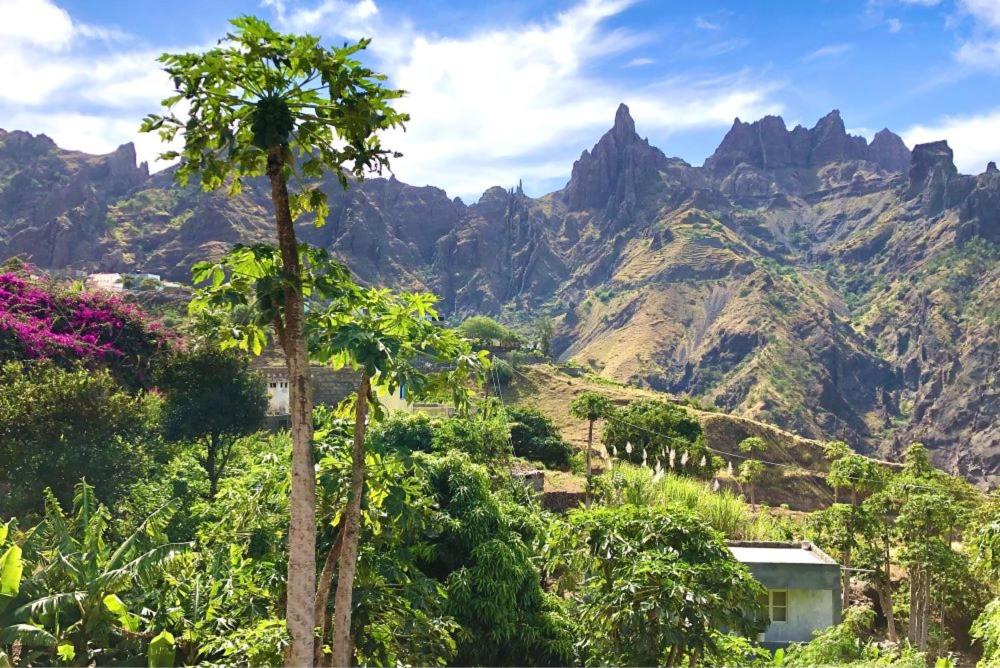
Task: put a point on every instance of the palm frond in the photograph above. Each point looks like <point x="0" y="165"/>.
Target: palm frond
<point x="47" y="604"/>
<point x="29" y="635"/>
<point x="151" y="562"/>
<point x="156" y="521"/>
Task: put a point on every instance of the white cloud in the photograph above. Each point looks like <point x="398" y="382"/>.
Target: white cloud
<point x="49" y="73"/>
<point x="639" y="62"/>
<point x="987" y="11"/>
<point x="982" y="48"/>
<point x="828" y="51"/>
<point x="350" y="19"/>
<point x="489" y="107"/>
<point x="975" y="139"/>
<point x="894" y="25"/>
<point x="495" y="106"/>
<point x="705" y="24"/>
<point x="38" y="23"/>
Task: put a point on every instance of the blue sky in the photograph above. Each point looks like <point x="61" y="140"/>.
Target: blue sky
<point x="501" y="91"/>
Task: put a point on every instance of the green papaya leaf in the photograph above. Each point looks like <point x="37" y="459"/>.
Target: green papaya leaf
<point x="66" y="652"/>
<point x="11" y="567"/>
<point x="115" y="605"/>
<point x="4" y="528"/>
<point x="161" y="651"/>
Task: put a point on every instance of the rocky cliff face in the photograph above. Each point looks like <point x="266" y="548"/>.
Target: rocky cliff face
<point x="805" y="277"/>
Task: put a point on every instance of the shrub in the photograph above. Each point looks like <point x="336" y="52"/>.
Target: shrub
<point x="655" y="428"/>
<point x="404" y="432"/>
<point x="534" y="437"/>
<point x="59" y="425"/>
<point x="484" y="437"/>
<point x="487" y="331"/>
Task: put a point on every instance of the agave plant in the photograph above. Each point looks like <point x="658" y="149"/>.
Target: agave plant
<point x="68" y="608"/>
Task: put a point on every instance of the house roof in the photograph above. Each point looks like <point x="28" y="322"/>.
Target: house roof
<point x="779" y="553"/>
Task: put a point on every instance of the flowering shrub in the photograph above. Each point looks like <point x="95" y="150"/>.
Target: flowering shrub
<point x="96" y="329"/>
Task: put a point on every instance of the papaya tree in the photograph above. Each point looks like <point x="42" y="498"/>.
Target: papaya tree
<point x="264" y="103"/>
<point x="590" y="406"/>
<point x="395" y="342"/>
<point x="860" y="476"/>
<point x="752" y="469"/>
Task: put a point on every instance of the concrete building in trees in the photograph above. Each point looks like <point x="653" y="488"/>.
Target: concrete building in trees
<point x="803" y="588"/>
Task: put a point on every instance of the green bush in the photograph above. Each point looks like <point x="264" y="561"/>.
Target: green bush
<point x="654" y="428"/>
<point x="58" y="426"/>
<point x="534" y="437"/>
<point x="484" y="437"/>
<point x="404" y="432"/>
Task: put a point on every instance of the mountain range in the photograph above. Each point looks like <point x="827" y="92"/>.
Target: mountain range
<point x="806" y="277"/>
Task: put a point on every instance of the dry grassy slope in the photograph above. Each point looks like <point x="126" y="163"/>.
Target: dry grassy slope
<point x="551" y="391"/>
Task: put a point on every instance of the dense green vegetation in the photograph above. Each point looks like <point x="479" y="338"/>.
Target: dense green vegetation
<point x="135" y="549"/>
<point x="147" y="518"/>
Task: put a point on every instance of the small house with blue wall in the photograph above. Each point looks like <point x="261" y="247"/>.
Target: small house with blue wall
<point x="803" y="588"/>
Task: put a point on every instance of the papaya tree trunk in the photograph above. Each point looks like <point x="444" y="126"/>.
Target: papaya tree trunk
<point x="590" y="444"/>
<point x="343" y="649"/>
<point x="299" y="609"/>
<point x="885" y="601"/>
<point x="323" y="595"/>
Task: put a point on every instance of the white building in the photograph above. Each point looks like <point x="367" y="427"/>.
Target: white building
<point x="803" y="588"/>
<point x="106" y="282"/>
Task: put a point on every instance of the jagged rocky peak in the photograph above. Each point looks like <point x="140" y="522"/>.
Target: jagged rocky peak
<point x="768" y="144"/>
<point x="831" y="143"/>
<point x="125" y="173"/>
<point x="934" y="159"/>
<point x="23" y="145"/>
<point x="615" y="164"/>
<point x="888" y="151"/>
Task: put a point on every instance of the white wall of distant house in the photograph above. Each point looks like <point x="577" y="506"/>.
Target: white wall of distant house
<point x="808" y="610"/>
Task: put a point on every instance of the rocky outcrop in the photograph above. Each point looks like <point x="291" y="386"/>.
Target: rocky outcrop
<point x="934" y="180"/>
<point x="768" y="145"/>
<point x="803" y="277"/>
<point x="888" y="151"/>
<point x="616" y="171"/>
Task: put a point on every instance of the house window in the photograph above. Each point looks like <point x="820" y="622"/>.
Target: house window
<point x="779" y="606"/>
<point x="274" y="385"/>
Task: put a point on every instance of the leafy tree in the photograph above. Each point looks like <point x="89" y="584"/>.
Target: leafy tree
<point x="283" y="106"/>
<point x="927" y="513"/>
<point x="657" y="586"/>
<point x="751" y="469"/>
<point x="649" y="429"/>
<point x="59" y="425"/>
<point x="860" y="476"/>
<point x="482" y="555"/>
<point x="485" y="437"/>
<point x="534" y="437"/>
<point x="390" y="338"/>
<point x="485" y="331"/>
<point x="69" y="607"/>
<point x="544" y="331"/>
<point x="590" y="406"/>
<point x="212" y="397"/>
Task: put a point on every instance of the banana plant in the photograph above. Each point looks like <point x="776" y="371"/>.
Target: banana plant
<point x="71" y="611"/>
